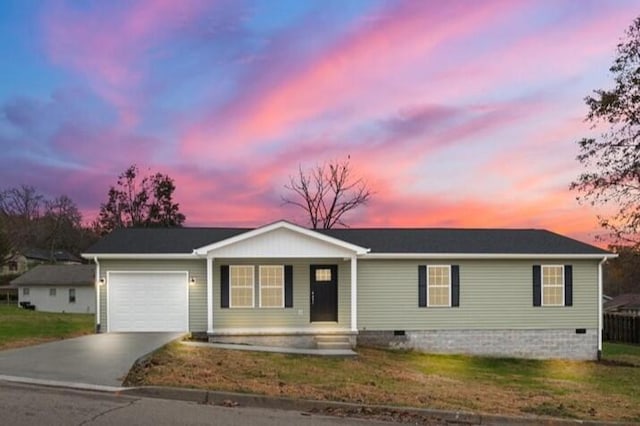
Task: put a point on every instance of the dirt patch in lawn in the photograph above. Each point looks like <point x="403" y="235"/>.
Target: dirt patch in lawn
<point x="582" y="390"/>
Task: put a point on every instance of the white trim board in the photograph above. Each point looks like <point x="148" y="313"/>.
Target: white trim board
<point x="269" y="331"/>
<point x="484" y="256"/>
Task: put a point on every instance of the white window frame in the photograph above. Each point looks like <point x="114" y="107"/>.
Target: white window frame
<point x="542" y="285"/>
<point x="253" y="286"/>
<point x="53" y="292"/>
<point x="75" y="295"/>
<point x="260" y="285"/>
<point x="439" y="266"/>
<point x="25" y="291"/>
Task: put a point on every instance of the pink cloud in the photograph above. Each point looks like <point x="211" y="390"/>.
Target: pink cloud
<point x="556" y="211"/>
<point x="381" y="92"/>
<point x="559" y="51"/>
<point x="86" y="145"/>
<point x="106" y="45"/>
<point x="351" y="69"/>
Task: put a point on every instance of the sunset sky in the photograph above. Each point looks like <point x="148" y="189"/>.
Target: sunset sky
<point x="457" y="113"/>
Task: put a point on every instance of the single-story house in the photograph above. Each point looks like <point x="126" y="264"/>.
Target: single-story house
<point x="501" y="292"/>
<point x="628" y="303"/>
<point x="21" y="262"/>
<point x="58" y="288"/>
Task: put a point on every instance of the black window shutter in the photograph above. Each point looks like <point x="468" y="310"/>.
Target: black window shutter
<point x="422" y="286"/>
<point x="288" y="286"/>
<point x="568" y="285"/>
<point x="455" y="285"/>
<point x="537" y="285"/>
<point x="224" y="286"/>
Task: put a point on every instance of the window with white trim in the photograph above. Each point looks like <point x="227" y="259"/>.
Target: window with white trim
<point x="72" y="295"/>
<point x="552" y="285"/>
<point x="438" y="285"/>
<point x="272" y="286"/>
<point x="241" y="286"/>
<point x="52" y="292"/>
<point x="25" y="291"/>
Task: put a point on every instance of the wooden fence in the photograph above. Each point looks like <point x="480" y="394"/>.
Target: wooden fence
<point x="621" y="328"/>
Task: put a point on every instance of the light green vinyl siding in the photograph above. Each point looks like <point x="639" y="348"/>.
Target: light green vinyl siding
<point x="494" y="294"/>
<point x="271" y="318"/>
<point x="197" y="292"/>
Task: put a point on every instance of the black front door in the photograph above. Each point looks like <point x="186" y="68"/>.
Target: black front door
<point x="324" y="293"/>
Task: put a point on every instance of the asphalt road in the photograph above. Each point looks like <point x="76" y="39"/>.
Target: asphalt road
<point x="35" y="405"/>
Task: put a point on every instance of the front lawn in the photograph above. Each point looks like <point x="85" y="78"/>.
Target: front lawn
<point x="581" y="390"/>
<point x="21" y="327"/>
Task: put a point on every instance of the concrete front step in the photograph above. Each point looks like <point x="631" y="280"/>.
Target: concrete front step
<point x="333" y="342"/>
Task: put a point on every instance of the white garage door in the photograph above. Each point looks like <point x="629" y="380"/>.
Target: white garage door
<point x="149" y="301"/>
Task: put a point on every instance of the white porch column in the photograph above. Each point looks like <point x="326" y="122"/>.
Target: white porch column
<point x="97" y="286"/>
<point x="354" y="293"/>
<point x="209" y="294"/>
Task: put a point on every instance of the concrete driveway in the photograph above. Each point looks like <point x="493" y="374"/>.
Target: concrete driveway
<point x="101" y="360"/>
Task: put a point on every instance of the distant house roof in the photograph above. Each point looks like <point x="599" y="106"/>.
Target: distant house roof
<point x="627" y="301"/>
<point x="72" y="275"/>
<point x="378" y="240"/>
<point x="46" y="255"/>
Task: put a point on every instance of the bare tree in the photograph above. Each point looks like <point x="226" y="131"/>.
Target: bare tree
<point x="327" y="192"/>
<point x="62" y="222"/>
<point x="6" y="249"/>
<point x="21" y="210"/>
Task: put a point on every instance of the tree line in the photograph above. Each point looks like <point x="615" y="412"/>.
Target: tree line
<point x="29" y="219"/>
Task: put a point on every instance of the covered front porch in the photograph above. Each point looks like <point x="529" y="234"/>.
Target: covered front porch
<point x="282" y="285"/>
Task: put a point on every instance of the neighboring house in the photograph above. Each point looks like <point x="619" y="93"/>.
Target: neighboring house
<point x="15" y="265"/>
<point x="59" y="288"/>
<point x="628" y="303"/>
<point x="501" y="292"/>
<point x="20" y="263"/>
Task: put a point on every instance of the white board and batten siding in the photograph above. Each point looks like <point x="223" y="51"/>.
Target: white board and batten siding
<point x="189" y="302"/>
<point x="280" y="243"/>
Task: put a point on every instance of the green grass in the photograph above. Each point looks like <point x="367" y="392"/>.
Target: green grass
<point x="571" y="389"/>
<point x="620" y="352"/>
<point x="21" y="327"/>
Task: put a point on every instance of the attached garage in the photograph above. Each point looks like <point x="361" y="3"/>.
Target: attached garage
<point x="148" y="301"/>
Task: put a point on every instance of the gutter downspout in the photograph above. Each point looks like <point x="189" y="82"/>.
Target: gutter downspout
<point x="602" y="262"/>
<point x="97" y="285"/>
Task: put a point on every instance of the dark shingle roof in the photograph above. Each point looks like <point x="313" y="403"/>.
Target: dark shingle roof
<point x="623" y="301"/>
<point x="383" y="240"/>
<point x="161" y="240"/>
<point x="46" y="255"/>
<point x="446" y="240"/>
<point x="74" y="275"/>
